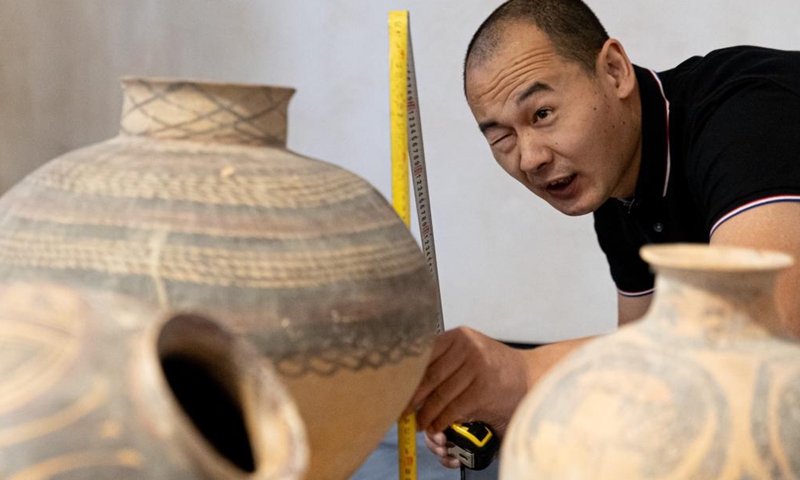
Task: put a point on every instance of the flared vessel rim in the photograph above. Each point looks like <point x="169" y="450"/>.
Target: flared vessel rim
<point x="714" y="258"/>
<point x="127" y="79"/>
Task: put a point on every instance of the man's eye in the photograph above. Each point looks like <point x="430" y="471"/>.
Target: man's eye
<point x="541" y="114"/>
<point x="498" y="140"/>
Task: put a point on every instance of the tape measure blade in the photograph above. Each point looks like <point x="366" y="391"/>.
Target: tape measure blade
<point x="398" y="66"/>
<point x="398" y="70"/>
<point x="416" y="157"/>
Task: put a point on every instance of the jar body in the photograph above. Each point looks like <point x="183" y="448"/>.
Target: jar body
<point x="698" y="389"/>
<point x="197" y="206"/>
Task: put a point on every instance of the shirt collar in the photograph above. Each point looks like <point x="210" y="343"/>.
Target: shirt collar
<point x="653" y="180"/>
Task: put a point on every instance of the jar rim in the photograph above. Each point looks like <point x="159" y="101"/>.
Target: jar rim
<point x="721" y="258"/>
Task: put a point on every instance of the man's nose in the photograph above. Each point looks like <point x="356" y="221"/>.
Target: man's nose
<point x="533" y="155"/>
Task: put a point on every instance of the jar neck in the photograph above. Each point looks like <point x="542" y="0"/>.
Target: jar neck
<point x="729" y="304"/>
<point x="205" y="112"/>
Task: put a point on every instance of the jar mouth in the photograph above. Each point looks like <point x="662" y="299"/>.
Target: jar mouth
<point x="198" y="364"/>
<point x="714" y="258"/>
<point x="232" y="409"/>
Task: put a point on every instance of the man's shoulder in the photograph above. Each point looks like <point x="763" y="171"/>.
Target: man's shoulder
<point x="734" y="127"/>
<point x="739" y="57"/>
<point x="719" y="69"/>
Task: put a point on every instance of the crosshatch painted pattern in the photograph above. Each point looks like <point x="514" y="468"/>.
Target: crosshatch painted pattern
<point x="251" y="115"/>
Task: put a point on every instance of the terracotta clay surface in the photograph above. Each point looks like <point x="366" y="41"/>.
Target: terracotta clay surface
<point x="197" y="205"/>
<point x="96" y="386"/>
<point x="700" y="388"/>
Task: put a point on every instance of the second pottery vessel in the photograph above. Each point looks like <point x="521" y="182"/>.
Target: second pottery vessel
<point x="701" y="388"/>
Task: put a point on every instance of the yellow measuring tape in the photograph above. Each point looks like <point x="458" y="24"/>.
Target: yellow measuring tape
<point x="398" y="84"/>
<point x="398" y="71"/>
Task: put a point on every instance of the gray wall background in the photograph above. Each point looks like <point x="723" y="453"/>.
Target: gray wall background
<point x="509" y="264"/>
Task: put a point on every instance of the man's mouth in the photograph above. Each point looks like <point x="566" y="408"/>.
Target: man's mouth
<point x="561" y="184"/>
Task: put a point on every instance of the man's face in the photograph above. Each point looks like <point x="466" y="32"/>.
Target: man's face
<point x="560" y="131"/>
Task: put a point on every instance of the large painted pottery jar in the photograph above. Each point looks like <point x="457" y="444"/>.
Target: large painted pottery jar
<point x="700" y="388"/>
<point x="96" y="387"/>
<point x="197" y="205"/>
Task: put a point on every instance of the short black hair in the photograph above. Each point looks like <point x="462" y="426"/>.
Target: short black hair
<point x="572" y="27"/>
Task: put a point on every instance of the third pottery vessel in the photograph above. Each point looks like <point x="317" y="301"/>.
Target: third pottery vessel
<point x="197" y="204"/>
<point x="700" y="388"/>
<point x="94" y="386"/>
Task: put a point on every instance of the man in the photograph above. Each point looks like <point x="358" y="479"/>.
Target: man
<point x="706" y="152"/>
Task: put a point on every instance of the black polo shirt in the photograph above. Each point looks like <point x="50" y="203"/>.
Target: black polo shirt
<point x="720" y="135"/>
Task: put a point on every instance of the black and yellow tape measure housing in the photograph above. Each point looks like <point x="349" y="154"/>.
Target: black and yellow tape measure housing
<point x="473" y="444"/>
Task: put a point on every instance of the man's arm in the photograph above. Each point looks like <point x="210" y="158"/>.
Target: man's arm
<point x="492" y="378"/>
<point x="774" y="226"/>
<point x="473" y="377"/>
<point x="630" y="309"/>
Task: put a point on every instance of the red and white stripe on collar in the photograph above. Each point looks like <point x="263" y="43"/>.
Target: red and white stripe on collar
<point x="625" y="293"/>
<point x="753" y="204"/>
<point x="666" y="122"/>
<point x="636" y="294"/>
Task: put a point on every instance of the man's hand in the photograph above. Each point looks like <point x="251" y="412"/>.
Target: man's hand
<point x="470" y="378"/>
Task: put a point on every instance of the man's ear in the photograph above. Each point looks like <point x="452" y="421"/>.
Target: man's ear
<point x="614" y="67"/>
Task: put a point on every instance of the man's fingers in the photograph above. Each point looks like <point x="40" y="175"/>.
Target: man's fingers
<point x="449" y="462"/>
<point x="438" y="449"/>
<point x="442" y="397"/>
<point x="445" y="342"/>
<point x="447" y="417"/>
<point x="438" y="372"/>
<point x="470" y="406"/>
<point x="436" y="444"/>
<point x="436" y="438"/>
